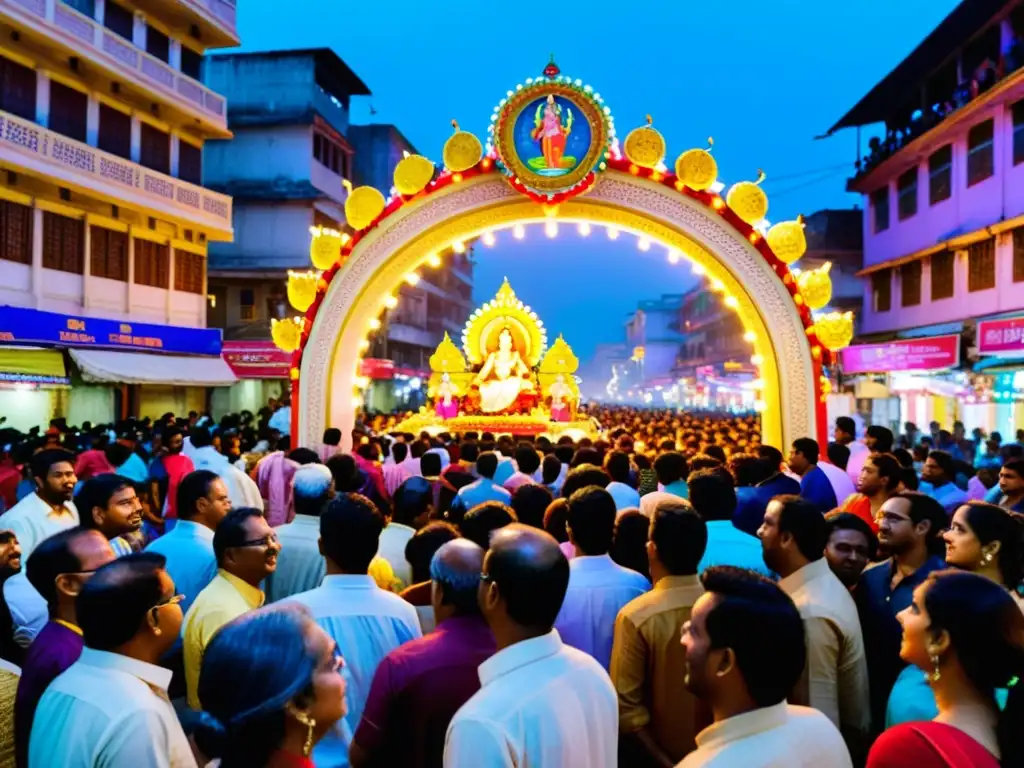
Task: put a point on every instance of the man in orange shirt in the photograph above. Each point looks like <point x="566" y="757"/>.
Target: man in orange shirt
<point x="876" y="484"/>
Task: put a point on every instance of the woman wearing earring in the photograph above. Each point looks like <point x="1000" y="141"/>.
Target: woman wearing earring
<point x="271" y="687"/>
<point x="987" y="540"/>
<point x="967" y="634"/>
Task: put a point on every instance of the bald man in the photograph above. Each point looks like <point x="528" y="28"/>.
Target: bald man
<point x="419" y="686"/>
<point x="541" y="702"/>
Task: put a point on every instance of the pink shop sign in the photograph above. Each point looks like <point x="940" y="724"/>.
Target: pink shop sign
<point x="927" y="354"/>
<point x="1006" y="335"/>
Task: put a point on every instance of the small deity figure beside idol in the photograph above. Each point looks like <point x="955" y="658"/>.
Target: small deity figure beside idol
<point x="561" y="396"/>
<point x="447" y="403"/>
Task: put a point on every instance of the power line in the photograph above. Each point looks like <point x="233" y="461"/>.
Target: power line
<point x="801" y="174"/>
<point x="804" y="185"/>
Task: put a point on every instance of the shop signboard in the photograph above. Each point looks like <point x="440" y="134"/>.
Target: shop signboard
<point x="1001" y="336"/>
<point x="256" y="359"/>
<point x="933" y="353"/>
<point x="19" y="325"/>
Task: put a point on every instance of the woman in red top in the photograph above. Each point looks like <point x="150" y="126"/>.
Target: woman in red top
<point x="967" y="634"/>
<point x="271" y="687"/>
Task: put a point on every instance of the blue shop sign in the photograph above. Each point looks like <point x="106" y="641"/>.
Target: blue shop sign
<point x="32" y="326"/>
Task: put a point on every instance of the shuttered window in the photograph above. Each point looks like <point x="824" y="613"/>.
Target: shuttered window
<point x="152" y="263"/>
<point x="981" y="265"/>
<point x="115" y="132"/>
<point x="15" y="232"/>
<point x="881" y="289"/>
<point x="63" y="243"/>
<point x="156" y="149"/>
<point x="108" y="253"/>
<point x="190" y="163"/>
<point x="69" y="110"/>
<point x="910" y="284"/>
<point x="1018" y="255"/>
<point x="188" y="272"/>
<point x="943" y="271"/>
<point x="17" y="89"/>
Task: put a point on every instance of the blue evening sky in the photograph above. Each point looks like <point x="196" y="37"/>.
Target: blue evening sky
<point x="762" y="78"/>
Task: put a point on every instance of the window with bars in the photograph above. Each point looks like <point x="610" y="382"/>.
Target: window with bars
<point x="108" y="253"/>
<point x="63" y="243"/>
<point x="330" y="154"/>
<point x="906" y="194"/>
<point x="115" y="134"/>
<point x="156" y="149"/>
<point x="880" y="207"/>
<point x="1018" y="132"/>
<point x="152" y="263"/>
<point x="980" y="154"/>
<point x="981" y="265"/>
<point x="881" y="290"/>
<point x="188" y="272"/>
<point x="1018" y="255"/>
<point x="17" y="89"/>
<point x="910" y="284"/>
<point x="69" y="110"/>
<point x="190" y="163"/>
<point x="940" y="175"/>
<point x="15" y="232"/>
<point x="943" y="275"/>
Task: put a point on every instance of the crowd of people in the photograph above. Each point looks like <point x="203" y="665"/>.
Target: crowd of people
<point x="676" y="592"/>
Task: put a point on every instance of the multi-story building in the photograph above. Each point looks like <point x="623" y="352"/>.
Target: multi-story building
<point x="652" y="334"/>
<point x="284" y="168"/>
<point x="944" y="228"/>
<point x="104" y="221"/>
<point x="293" y="148"/>
<point x="836" y="236"/>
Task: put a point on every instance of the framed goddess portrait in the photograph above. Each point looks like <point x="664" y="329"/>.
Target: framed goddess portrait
<point x="551" y="135"/>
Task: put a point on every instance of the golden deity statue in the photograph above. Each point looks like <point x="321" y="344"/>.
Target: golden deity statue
<point x="503" y="376"/>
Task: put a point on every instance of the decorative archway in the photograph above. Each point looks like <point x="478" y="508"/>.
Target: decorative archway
<point x="475" y="198"/>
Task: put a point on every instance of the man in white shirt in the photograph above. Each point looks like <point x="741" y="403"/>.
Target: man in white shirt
<point x="110" y="707"/>
<point x="34" y="519"/>
<point x="745" y="651"/>
<point x="598" y="586"/>
<point x="366" y="622"/>
<point x="835" y="682"/>
<point x="412" y="503"/>
<point x="616" y="464"/>
<point x="241" y="488"/>
<point x="541" y="703"/>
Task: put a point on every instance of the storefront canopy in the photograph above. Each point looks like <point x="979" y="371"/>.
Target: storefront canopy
<point x="99" y="365"/>
<point x="28" y="365"/>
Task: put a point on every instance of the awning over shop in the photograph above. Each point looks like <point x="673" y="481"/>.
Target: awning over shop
<point x="98" y="365"/>
<point x="26" y="365"/>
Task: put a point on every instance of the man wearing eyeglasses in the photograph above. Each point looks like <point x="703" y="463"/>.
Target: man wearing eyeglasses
<point x="58" y="570"/>
<point x="111" y="706"/>
<point x="246" y="548"/>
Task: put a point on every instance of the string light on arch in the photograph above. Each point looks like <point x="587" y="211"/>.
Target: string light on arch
<point x="613" y="233"/>
<point x="551" y="228"/>
<point x="644" y="244"/>
<point x="518" y="231"/>
<point x="488" y="238"/>
<point x="433" y="260"/>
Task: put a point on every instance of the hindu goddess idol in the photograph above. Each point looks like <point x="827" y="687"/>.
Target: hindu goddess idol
<point x="551" y="133"/>
<point x="503" y="376"/>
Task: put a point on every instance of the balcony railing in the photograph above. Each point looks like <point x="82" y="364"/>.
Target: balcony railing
<point x="95" y="43"/>
<point x="73" y="163"/>
<point x="223" y="12"/>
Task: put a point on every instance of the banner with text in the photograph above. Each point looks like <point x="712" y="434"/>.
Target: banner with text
<point x="928" y="354"/>
<point x="1000" y="336"/>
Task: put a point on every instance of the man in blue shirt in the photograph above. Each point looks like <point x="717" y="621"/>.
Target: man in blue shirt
<point x="814" y="484"/>
<point x="770" y="482"/>
<point x="714" y="499"/>
<point x="909" y="529"/>
<point x="484" y="489"/>
<point x="937" y="476"/>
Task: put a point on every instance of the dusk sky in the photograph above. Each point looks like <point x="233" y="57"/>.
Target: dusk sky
<point x="762" y="78"/>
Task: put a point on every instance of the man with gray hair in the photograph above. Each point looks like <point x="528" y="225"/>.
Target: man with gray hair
<point x="299" y="564"/>
<point x="419" y="686"/>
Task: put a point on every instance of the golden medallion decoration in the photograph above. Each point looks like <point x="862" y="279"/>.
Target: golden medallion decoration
<point x="364" y="204"/>
<point x="834" y="330"/>
<point x="462" y="151"/>
<point x="645" y="146"/>
<point x="816" y="286"/>
<point x="787" y="240"/>
<point x="302" y="288"/>
<point x="748" y="200"/>
<point x="286" y="333"/>
<point x="325" y="246"/>
<point x="412" y="174"/>
<point x="696" y="168"/>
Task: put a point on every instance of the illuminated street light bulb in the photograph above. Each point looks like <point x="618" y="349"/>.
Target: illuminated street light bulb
<point x="673" y="256"/>
<point x="551" y="228"/>
<point x="584" y="228"/>
<point x="613" y="233"/>
<point x="459" y="247"/>
<point x="433" y="260"/>
<point x="731" y="302"/>
<point x="390" y="302"/>
<point x="643" y="244"/>
<point x="488" y="239"/>
<point x="374" y="324"/>
<point x="412" y="278"/>
<point x="750" y="337"/>
<point x="518" y="232"/>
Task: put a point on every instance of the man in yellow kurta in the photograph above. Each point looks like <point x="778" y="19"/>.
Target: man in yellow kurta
<point x="246" y="548"/>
